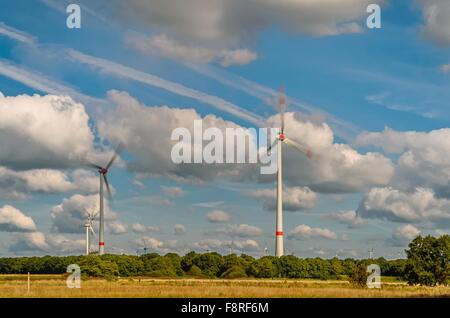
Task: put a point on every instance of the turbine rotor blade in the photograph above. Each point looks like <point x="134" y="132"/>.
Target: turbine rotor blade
<point x="271" y="146"/>
<point x="92" y="165"/>
<point x="108" y="189"/>
<point x="116" y="153"/>
<point x="92" y="230"/>
<point x="282" y="106"/>
<point x="308" y="153"/>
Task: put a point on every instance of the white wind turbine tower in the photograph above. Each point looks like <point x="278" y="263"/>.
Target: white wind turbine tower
<point x="89" y="229"/>
<point x="103" y="172"/>
<point x="280" y="139"/>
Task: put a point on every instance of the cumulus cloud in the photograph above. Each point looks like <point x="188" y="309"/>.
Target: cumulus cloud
<point x="19" y="184"/>
<point x="418" y="206"/>
<point x="219" y="22"/>
<point x="335" y="167"/>
<point x="436" y="26"/>
<point x="174" y="192"/>
<point x="404" y="234"/>
<point x="240" y="230"/>
<point x="165" y="46"/>
<point x="131" y="123"/>
<point x="351" y="218"/>
<point x="14" y="220"/>
<point x="155" y="245"/>
<point x="304" y="231"/>
<point x="179" y="229"/>
<point x="422" y="161"/>
<point x="339" y="169"/>
<point x="218" y="216"/>
<point x="218" y="245"/>
<point x="140" y="228"/>
<point x="71" y="214"/>
<point x="117" y="228"/>
<point x="29" y="242"/>
<point x="64" y="245"/>
<point x="39" y="132"/>
<point x="294" y="198"/>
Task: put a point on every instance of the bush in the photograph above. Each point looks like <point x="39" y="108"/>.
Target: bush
<point x="195" y="271"/>
<point x="358" y="277"/>
<point x="234" y="272"/>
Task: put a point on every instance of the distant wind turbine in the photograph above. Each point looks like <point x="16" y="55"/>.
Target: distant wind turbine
<point x="90" y="217"/>
<point x="280" y="139"/>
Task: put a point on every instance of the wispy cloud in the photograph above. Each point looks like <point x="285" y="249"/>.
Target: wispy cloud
<point x="343" y="129"/>
<point x="43" y="83"/>
<point x="17" y="35"/>
<point x="176" y="88"/>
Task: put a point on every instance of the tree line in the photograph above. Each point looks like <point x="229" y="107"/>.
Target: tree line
<point x="428" y="262"/>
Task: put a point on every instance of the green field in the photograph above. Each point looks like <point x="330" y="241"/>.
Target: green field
<point x="55" y="286"/>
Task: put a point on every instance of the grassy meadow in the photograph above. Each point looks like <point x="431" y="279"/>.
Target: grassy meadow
<point x="55" y="286"/>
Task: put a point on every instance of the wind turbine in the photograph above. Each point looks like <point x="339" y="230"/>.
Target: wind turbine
<point x="88" y="226"/>
<point x="103" y="172"/>
<point x="280" y="140"/>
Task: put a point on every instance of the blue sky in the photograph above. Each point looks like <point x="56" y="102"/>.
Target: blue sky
<point x="382" y="94"/>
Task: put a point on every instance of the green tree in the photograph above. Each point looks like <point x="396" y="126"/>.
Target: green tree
<point x="97" y="267"/>
<point x="428" y="261"/>
<point x="263" y="268"/>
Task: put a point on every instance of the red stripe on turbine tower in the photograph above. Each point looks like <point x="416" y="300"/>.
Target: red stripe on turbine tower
<point x="279" y="233"/>
<point x="101" y="243"/>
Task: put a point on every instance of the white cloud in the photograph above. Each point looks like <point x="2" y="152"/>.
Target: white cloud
<point x="14" y="220"/>
<point x="139" y="228"/>
<point x="294" y="198"/>
<point x="29" y="242"/>
<point x="437" y="25"/>
<point x="225" y="22"/>
<point x="131" y="123"/>
<point x="70" y="215"/>
<point x="45" y="84"/>
<point x="17" y="35"/>
<point x="418" y="206"/>
<point x="176" y="88"/>
<point x="218" y="216"/>
<point x="44" y="132"/>
<point x="404" y="234"/>
<point x="240" y="230"/>
<point x="168" y="47"/>
<point x="64" y="245"/>
<point x="179" y="229"/>
<point x="351" y="218"/>
<point x="334" y="167"/>
<point x="220" y="245"/>
<point x="154" y="245"/>
<point x="174" y="192"/>
<point x="18" y="184"/>
<point x="117" y="228"/>
<point x="422" y="161"/>
<point x="304" y="231"/>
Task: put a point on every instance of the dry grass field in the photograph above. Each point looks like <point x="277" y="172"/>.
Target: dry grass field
<point x="55" y="286"/>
